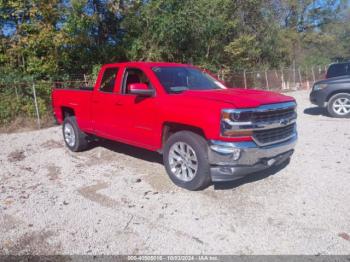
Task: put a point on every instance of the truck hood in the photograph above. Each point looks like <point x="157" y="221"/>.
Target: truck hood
<point x="240" y="98"/>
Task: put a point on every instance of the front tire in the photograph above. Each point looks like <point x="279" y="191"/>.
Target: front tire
<point x="186" y="160"/>
<point x="75" y="139"/>
<point x="339" y="105"/>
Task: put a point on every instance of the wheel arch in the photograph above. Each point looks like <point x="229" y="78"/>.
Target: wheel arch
<point x="335" y="92"/>
<point x="170" y="128"/>
<point x="67" y="111"/>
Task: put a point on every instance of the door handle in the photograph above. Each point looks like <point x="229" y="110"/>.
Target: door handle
<point x="118" y="103"/>
<point x="95" y="101"/>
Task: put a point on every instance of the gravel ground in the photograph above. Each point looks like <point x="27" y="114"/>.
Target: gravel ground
<point x="116" y="199"/>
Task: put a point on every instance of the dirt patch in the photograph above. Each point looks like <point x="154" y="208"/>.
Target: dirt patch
<point x="90" y="192"/>
<point x="33" y="243"/>
<point x="51" y="144"/>
<point x="16" y="156"/>
<point x="53" y="172"/>
<point x="8" y="222"/>
<point x="159" y="182"/>
<point x="210" y="194"/>
<point x="100" y="156"/>
<point x="198" y="240"/>
<point x="344" y="236"/>
<point x="20" y="124"/>
<point x="23" y="124"/>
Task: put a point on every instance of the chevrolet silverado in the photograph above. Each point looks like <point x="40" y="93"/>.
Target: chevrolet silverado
<point x="205" y="131"/>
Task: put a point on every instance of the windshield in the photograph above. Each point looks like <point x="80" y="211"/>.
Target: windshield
<point x="179" y="79"/>
<point x="338" y="70"/>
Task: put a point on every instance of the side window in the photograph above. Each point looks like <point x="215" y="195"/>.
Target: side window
<point x="134" y="75"/>
<point x="108" y="79"/>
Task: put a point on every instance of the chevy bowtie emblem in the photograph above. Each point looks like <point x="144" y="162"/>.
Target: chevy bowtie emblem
<point x="284" y="122"/>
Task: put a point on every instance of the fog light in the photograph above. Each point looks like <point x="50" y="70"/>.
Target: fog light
<point x="236" y="153"/>
<point x="271" y="161"/>
<point x="227" y="150"/>
<point x="226" y="170"/>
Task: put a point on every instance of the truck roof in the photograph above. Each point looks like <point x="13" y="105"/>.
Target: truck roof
<point x="146" y="64"/>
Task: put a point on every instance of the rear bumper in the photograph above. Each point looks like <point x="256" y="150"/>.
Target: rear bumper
<point x="252" y="158"/>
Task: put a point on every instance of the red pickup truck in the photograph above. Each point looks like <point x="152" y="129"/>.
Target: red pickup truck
<point x="205" y="131"/>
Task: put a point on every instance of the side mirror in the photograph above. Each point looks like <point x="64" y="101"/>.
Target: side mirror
<point x="140" y="89"/>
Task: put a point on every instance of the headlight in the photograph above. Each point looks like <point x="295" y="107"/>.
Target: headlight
<point x="232" y="121"/>
<point x="232" y="115"/>
<point x="319" y="86"/>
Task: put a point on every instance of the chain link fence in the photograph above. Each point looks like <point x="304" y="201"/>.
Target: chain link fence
<point x="283" y="80"/>
<point x="28" y="104"/>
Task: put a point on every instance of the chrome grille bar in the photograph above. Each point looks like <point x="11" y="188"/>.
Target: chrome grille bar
<point x="269" y="124"/>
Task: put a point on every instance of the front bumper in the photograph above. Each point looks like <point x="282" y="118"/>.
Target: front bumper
<point x="252" y="158"/>
<point x="319" y="97"/>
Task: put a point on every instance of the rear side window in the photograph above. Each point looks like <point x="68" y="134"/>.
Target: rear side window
<point x="108" y="79"/>
<point x="341" y="69"/>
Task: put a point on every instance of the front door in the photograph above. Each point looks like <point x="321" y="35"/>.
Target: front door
<point x="139" y="112"/>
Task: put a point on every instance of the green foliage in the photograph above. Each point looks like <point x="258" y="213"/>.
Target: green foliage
<point x="56" y="39"/>
<point x="95" y="70"/>
<point x="244" y="51"/>
<point x="17" y="100"/>
<point x="60" y="39"/>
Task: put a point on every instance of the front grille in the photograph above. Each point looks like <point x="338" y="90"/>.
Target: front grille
<point x="273" y="115"/>
<point x="270" y="136"/>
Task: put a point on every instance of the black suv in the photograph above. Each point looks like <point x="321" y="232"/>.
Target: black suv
<point x="333" y="94"/>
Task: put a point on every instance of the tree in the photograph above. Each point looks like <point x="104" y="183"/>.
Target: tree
<point x="33" y="46"/>
<point x="63" y="38"/>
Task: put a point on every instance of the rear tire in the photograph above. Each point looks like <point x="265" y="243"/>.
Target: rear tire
<point x="185" y="159"/>
<point x="75" y="139"/>
<point x="339" y="105"/>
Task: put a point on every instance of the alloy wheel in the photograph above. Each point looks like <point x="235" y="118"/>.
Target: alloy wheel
<point x="183" y="161"/>
<point x="69" y="135"/>
<point x="342" y="106"/>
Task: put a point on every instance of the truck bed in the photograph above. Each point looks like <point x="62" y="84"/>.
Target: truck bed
<point x="76" y="97"/>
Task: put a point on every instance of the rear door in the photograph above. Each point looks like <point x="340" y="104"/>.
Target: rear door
<point x="105" y="104"/>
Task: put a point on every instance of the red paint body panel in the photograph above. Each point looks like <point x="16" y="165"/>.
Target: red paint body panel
<point x="139" y="121"/>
